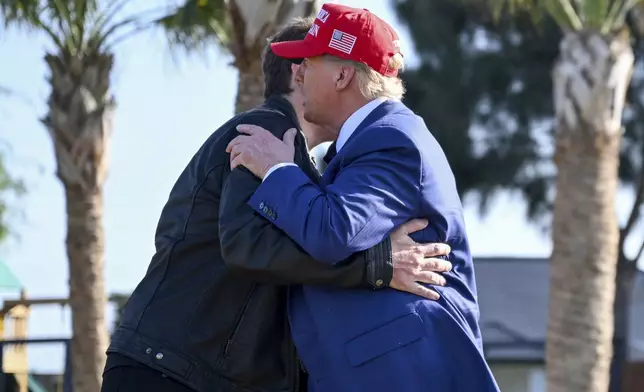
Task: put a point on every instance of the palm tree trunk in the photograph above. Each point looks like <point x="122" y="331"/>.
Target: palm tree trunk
<point x="79" y="123"/>
<point x="250" y="85"/>
<point x="85" y="250"/>
<point x="590" y="81"/>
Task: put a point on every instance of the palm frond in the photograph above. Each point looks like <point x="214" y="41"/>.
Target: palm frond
<point x="29" y="14"/>
<point x="20" y="12"/>
<point x="617" y="12"/>
<point x="593" y="12"/>
<point x="109" y="30"/>
<point x="78" y="26"/>
<point x="562" y="11"/>
<point x="63" y="21"/>
<point x="602" y="15"/>
<point x="197" y="23"/>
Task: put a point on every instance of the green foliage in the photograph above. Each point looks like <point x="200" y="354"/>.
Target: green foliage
<point x="481" y="88"/>
<point x="198" y="23"/>
<point x="603" y="15"/>
<point x="79" y="26"/>
<point x="119" y="300"/>
<point x="484" y="89"/>
<point x="9" y="186"/>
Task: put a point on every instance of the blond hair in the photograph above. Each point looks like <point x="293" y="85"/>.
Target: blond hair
<point x="373" y="84"/>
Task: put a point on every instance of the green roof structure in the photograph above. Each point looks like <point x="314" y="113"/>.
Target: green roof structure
<point x="8" y="281"/>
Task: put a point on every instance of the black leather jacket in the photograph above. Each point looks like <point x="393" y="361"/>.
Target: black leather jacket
<point x="211" y="309"/>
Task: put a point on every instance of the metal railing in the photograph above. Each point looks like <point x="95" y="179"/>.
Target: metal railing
<point x="67" y="374"/>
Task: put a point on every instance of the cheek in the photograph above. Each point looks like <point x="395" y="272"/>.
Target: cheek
<point x="309" y="89"/>
<point x="315" y="89"/>
<point x="307" y="81"/>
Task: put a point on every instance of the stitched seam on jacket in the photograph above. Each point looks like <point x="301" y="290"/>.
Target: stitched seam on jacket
<point x="195" y="192"/>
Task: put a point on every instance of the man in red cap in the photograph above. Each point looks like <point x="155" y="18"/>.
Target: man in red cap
<point x="384" y="168"/>
<point x="210" y="313"/>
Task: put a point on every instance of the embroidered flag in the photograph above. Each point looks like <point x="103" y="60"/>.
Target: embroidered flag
<point x="323" y="15"/>
<point x="342" y="41"/>
<point x="314" y="30"/>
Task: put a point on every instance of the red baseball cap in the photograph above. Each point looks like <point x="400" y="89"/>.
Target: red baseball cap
<point x="348" y="33"/>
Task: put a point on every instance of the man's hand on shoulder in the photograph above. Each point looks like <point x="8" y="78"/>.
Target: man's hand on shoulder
<point x="414" y="262"/>
<point x="259" y="150"/>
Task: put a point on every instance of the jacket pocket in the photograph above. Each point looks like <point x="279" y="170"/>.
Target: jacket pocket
<point x="381" y="340"/>
<point x="239" y="320"/>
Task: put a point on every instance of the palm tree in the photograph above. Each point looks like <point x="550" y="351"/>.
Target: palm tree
<point x="83" y="34"/>
<point x="79" y="121"/>
<point x="242" y="28"/>
<point x="590" y="77"/>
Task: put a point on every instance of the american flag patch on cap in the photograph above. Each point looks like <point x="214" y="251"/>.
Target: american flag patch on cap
<point x="314" y="30"/>
<point x="323" y="16"/>
<point x="342" y="41"/>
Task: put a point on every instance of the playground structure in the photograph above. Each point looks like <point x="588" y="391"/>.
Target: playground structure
<point x="14" y="364"/>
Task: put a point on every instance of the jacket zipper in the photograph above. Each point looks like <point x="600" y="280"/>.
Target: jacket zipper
<point x="239" y="320"/>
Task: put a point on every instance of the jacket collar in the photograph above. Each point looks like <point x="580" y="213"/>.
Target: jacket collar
<point x="384" y="109"/>
<point x="282" y="105"/>
<point x="354" y="121"/>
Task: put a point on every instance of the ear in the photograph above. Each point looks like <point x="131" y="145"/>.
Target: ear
<point x="298" y="74"/>
<point x="344" y="76"/>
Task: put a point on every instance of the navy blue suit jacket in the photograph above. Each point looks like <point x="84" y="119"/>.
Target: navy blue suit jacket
<point x="389" y="171"/>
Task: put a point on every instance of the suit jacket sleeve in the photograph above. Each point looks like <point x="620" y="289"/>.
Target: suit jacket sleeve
<point x="253" y="247"/>
<point x="376" y="191"/>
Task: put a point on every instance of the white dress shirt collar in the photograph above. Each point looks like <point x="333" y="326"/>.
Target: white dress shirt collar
<point x="354" y="121"/>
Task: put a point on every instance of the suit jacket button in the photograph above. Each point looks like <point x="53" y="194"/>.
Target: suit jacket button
<point x="265" y="209"/>
<point x="261" y="205"/>
<point x="379" y="283"/>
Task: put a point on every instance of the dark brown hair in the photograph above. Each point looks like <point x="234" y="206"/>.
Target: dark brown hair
<point x="277" y="70"/>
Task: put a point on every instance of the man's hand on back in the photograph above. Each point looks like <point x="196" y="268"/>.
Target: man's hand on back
<point x="414" y="262"/>
<point x="258" y="150"/>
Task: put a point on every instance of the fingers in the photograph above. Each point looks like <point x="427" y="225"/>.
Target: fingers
<point x="250" y="129"/>
<point x="433" y="250"/>
<point x="236" y="161"/>
<point x="435" y="265"/>
<point x="425" y="292"/>
<point x="430" y="278"/>
<point x="236" y="150"/>
<point x="289" y="137"/>
<point x="236" y="142"/>
<point x="401" y="234"/>
<point x="413" y="226"/>
<point x="415" y="288"/>
<point x="234" y="154"/>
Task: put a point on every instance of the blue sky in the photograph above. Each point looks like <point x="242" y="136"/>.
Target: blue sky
<point x="166" y="109"/>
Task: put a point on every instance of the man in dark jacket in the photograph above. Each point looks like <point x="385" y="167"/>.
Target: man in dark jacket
<point x="210" y="314"/>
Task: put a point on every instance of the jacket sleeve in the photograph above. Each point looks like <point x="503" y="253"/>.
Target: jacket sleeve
<point x="253" y="247"/>
<point x="378" y="189"/>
